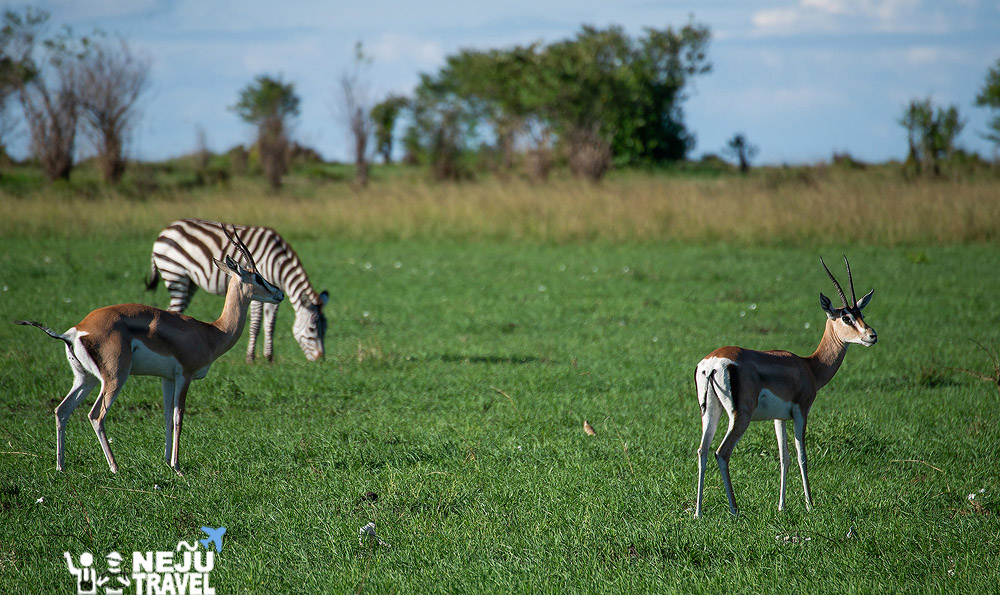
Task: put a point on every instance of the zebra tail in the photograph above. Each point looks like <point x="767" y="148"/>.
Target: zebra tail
<point x="154" y="277"/>
<point x="47" y="330"/>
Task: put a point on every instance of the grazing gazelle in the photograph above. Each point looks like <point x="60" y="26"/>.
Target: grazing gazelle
<point x="759" y="385"/>
<point x="115" y="342"/>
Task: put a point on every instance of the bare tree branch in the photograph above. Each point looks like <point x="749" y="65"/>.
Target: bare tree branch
<point x="111" y="79"/>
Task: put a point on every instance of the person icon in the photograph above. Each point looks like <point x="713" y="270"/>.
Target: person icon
<point x="117" y="579"/>
<point x="86" y="577"/>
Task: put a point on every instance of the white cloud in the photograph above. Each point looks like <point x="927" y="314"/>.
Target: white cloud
<point x="846" y="15"/>
<point x="393" y="47"/>
<point x="779" y="18"/>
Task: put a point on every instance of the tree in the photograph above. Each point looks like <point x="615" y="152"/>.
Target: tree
<point x="384" y="115"/>
<point x="355" y="111"/>
<point x="269" y="104"/>
<point x="51" y="103"/>
<point x="989" y="96"/>
<point x="111" y="80"/>
<point x="916" y="118"/>
<point x="931" y="132"/>
<point x="18" y="36"/>
<point x="606" y="87"/>
<point x="741" y="149"/>
<point x="603" y="97"/>
<point x="441" y="129"/>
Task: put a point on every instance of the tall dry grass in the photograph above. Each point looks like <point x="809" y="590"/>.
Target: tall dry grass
<point x="770" y="208"/>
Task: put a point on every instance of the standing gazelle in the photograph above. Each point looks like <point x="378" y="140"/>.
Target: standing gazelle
<point x="115" y="342"/>
<point x="758" y="385"/>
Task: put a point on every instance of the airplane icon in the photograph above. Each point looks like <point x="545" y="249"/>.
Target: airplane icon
<point x="214" y="537"/>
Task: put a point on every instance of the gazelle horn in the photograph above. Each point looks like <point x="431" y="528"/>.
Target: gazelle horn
<point x="240" y="245"/>
<point x="843" y="298"/>
<point x="850" y="281"/>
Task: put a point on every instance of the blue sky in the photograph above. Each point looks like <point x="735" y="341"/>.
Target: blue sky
<point x="801" y="78"/>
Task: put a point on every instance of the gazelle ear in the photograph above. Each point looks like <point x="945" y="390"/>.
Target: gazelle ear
<point x="229" y="267"/>
<point x="864" y="301"/>
<point x="824" y="302"/>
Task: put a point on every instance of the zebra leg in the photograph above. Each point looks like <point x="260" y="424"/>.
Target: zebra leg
<point x="181" y="289"/>
<point x="270" y="317"/>
<point x="255" y="313"/>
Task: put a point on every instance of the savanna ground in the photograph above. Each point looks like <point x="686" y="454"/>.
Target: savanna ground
<point x="473" y="329"/>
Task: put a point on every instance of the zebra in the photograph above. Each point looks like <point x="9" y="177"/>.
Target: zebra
<point x="182" y="257"/>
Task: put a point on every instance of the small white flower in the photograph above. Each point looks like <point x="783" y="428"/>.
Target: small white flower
<point x="593" y="269"/>
<point x="806" y="325"/>
<point x="518" y="448"/>
<point x="753" y="306"/>
<point x="625" y="270"/>
<point x="156" y="486"/>
<point x="368" y="266"/>
<point x="67" y="300"/>
<point x="541" y="288"/>
<point x="40" y="500"/>
<point x="655" y="339"/>
<point x="743" y="313"/>
<point x="5" y="288"/>
<point x="47" y="260"/>
<point x="562" y="267"/>
<point x="970" y="497"/>
<point x="397" y="264"/>
<point x="365" y="314"/>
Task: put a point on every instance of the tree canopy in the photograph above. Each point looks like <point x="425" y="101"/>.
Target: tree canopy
<point x="267" y="97"/>
<point x="989" y="96"/>
<point x="602" y="90"/>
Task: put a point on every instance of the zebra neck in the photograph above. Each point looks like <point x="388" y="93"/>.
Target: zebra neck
<point x="303" y="289"/>
<point x="290" y="276"/>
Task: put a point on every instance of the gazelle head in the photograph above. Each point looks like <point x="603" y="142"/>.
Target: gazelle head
<point x="309" y="328"/>
<point x="848" y="322"/>
<point x="253" y="284"/>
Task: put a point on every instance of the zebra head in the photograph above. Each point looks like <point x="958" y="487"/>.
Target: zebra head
<point x="309" y="328"/>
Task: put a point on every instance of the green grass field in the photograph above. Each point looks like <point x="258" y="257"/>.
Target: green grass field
<point x="458" y="375"/>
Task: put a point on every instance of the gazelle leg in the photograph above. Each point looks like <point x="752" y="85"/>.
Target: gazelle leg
<point x="270" y="317"/>
<point x="709" y="422"/>
<point x="255" y="314"/>
<point x="737" y="426"/>
<point x="168" y="417"/>
<point x="800" y="449"/>
<point x="109" y="392"/>
<point x="182" y="385"/>
<point x="116" y="358"/>
<point x="779" y="430"/>
<point x="83" y="383"/>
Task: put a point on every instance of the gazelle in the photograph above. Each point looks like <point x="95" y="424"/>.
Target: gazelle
<point x="759" y="385"/>
<point x="115" y="342"/>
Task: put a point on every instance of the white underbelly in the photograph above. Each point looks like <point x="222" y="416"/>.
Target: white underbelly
<point x="771" y="406"/>
<point x="146" y="362"/>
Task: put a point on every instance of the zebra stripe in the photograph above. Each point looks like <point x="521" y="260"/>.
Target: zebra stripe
<point x="183" y="257"/>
